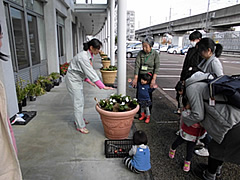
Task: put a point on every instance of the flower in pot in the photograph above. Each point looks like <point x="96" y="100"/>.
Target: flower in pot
<point x="64" y="68"/>
<point x="56" y="78"/>
<point x="109" y="75"/>
<point x="117" y="114"/>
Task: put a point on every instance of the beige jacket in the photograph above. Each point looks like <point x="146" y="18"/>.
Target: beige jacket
<point x="9" y="165"/>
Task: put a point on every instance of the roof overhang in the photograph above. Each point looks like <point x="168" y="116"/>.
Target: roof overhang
<point x="91" y="16"/>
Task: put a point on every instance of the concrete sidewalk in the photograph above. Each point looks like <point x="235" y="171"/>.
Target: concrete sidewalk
<point x="49" y="147"/>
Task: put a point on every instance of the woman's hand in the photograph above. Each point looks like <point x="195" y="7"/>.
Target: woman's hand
<point x="108" y="88"/>
<point x="134" y="83"/>
<point x="153" y="83"/>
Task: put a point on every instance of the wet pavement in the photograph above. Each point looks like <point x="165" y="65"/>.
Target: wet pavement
<point x="50" y="148"/>
<point x="161" y="134"/>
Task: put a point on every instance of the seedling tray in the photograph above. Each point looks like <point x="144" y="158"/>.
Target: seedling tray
<point x="117" y="148"/>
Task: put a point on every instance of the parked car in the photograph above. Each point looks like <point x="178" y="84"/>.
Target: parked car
<point x="184" y="50"/>
<point x="156" y="46"/>
<point x="174" y="50"/>
<point x="128" y="44"/>
<point x="133" y="50"/>
<point x="163" y="48"/>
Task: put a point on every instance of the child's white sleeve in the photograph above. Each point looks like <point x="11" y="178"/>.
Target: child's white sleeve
<point x="133" y="150"/>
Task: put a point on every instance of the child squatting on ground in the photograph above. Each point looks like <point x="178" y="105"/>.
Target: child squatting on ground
<point x="144" y="96"/>
<point x="139" y="160"/>
<point x="190" y="135"/>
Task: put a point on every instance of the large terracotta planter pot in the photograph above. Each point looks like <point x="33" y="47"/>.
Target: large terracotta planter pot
<point x="117" y="125"/>
<point x="109" y="76"/>
<point x="106" y="63"/>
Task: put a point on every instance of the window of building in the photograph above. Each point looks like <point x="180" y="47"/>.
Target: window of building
<point x="14" y="64"/>
<point x="60" y="35"/>
<point x="33" y="39"/>
<point x="91" y="1"/>
<point x="34" y="5"/>
<point x="17" y="2"/>
<point x="42" y="38"/>
<point x="19" y="38"/>
<point x="60" y="41"/>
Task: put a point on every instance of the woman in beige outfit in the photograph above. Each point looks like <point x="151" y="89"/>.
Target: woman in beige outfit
<point x="9" y="165"/>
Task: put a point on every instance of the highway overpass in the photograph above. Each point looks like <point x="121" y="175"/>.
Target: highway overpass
<point x="217" y="20"/>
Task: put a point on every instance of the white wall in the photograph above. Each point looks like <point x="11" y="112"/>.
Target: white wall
<point x="68" y="36"/>
<point x="51" y="36"/>
<point x="6" y="69"/>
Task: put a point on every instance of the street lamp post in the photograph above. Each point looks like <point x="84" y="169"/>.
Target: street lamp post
<point x="206" y="28"/>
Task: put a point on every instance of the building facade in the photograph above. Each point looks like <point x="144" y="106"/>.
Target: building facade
<point x="130" y="31"/>
<point x="130" y="25"/>
<point x="38" y="36"/>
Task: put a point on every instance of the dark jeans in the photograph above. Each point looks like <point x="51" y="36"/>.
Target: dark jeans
<point x="190" y="147"/>
<point x="206" y="140"/>
<point x="213" y="164"/>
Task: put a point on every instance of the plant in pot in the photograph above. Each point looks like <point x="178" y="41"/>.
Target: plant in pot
<point x="106" y="62"/>
<point x="45" y="82"/>
<point x="39" y="90"/>
<point x="32" y="92"/>
<point x="117" y="114"/>
<point x="21" y="92"/>
<point x="25" y="92"/>
<point x="103" y="55"/>
<point x="109" y="75"/>
<point x="56" y="78"/>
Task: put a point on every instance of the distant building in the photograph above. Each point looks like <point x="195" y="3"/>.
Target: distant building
<point x="130" y="25"/>
<point x="130" y="34"/>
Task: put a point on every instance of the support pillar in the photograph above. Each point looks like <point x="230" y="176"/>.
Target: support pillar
<point x="122" y="25"/>
<point x="112" y="36"/>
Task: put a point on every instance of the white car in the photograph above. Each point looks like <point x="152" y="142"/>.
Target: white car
<point x="163" y="48"/>
<point x="174" y="50"/>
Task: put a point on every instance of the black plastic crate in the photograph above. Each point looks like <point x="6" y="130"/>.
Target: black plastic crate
<point x="117" y="148"/>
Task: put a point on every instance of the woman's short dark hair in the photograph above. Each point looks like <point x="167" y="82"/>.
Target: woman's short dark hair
<point x="149" y="40"/>
<point x="146" y="77"/>
<point x="195" y="35"/>
<point x="139" y="137"/>
<point x="205" y="43"/>
<point x="95" y="43"/>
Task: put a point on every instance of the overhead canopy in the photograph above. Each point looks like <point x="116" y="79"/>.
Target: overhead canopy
<point x="92" y="16"/>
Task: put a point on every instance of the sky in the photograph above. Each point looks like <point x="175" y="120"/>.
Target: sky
<point x="151" y="12"/>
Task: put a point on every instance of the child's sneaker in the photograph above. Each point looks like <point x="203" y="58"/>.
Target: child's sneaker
<point x="171" y="153"/>
<point x="186" y="166"/>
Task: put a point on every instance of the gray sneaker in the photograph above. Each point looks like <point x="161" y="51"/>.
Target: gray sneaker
<point x="202" y="152"/>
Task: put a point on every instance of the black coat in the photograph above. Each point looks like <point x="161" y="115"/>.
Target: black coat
<point x="190" y="63"/>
